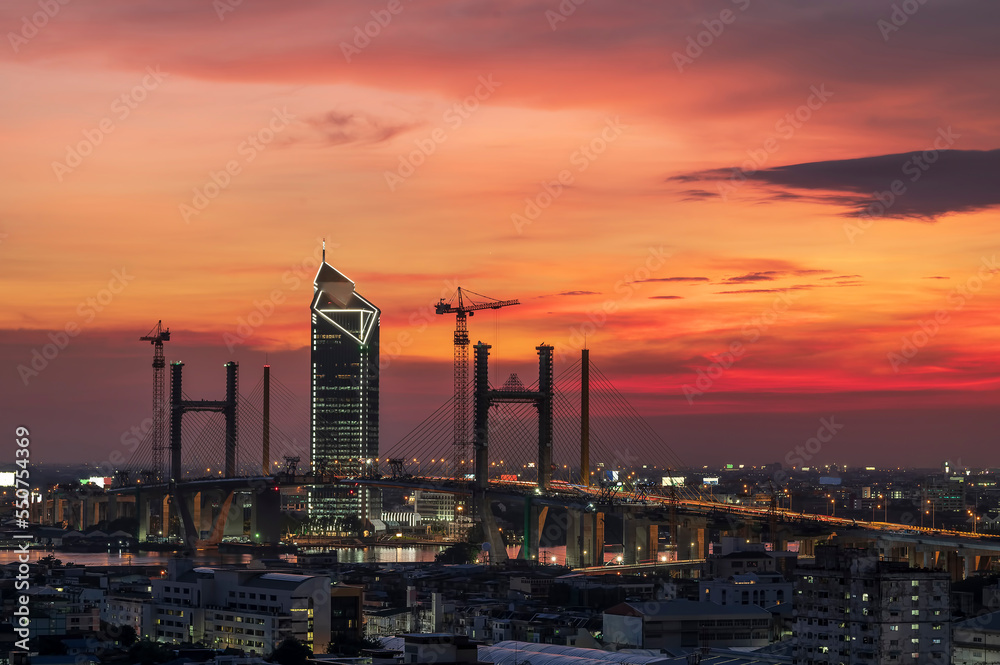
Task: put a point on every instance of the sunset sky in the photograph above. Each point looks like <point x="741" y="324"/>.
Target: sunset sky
<point x="810" y="187"/>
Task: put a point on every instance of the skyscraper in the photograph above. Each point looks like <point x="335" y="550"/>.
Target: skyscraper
<point x="344" y="404"/>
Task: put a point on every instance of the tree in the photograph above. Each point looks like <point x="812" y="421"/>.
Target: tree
<point x="127" y="636"/>
<point x="127" y="524"/>
<point x="51" y="645"/>
<point x="349" y="645"/>
<point x="351" y="523"/>
<point x="124" y="635"/>
<point x="291" y="652"/>
<point x="50" y="561"/>
<point x="457" y="553"/>
<point x="146" y="652"/>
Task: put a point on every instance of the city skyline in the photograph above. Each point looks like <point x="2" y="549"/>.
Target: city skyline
<point x="756" y="214"/>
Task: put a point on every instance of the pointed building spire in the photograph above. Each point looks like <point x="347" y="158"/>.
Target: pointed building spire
<point x="324" y="250"/>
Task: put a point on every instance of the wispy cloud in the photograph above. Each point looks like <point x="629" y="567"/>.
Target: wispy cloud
<point x="692" y="280"/>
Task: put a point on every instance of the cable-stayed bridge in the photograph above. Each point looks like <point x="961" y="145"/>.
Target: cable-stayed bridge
<point x="567" y="448"/>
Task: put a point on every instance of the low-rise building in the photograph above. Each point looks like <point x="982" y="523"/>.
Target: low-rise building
<point x="686" y="624"/>
<point x="976" y="640"/>
<point x="127" y="609"/>
<point x="763" y="589"/>
<point x="248" y="609"/>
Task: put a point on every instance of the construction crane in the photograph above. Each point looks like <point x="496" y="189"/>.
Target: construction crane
<point x="157" y="336"/>
<point x="465" y="307"/>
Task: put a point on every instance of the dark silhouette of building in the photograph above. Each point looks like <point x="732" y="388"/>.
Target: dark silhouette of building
<point x="344" y="404"/>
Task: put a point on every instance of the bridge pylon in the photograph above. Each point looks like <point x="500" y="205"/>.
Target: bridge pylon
<point x="485" y="397"/>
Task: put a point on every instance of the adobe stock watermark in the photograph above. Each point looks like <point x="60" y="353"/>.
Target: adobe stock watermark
<point x="419" y="321"/>
<point x="248" y="149"/>
<point x="262" y="310"/>
<point x="899" y="16"/>
<point x="784" y="129"/>
<point x="928" y="330"/>
<point x="914" y="167"/>
<point x="31" y="25"/>
<point x="453" y="118"/>
<point x="800" y="455"/>
<point x="581" y="158"/>
<point x="223" y="7"/>
<point x="626" y="287"/>
<point x="121" y="108"/>
<point x="88" y="309"/>
<point x="363" y="35"/>
<point x="751" y="332"/>
<point x="714" y="27"/>
<point x="566" y="9"/>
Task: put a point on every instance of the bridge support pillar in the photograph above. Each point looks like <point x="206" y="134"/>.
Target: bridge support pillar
<point x="628" y="538"/>
<point x="691" y="542"/>
<point x="534" y="522"/>
<point x="207" y="511"/>
<point x="969" y="565"/>
<point x="955" y="566"/>
<point x="142" y="515"/>
<point x="265" y="515"/>
<point x="58" y="504"/>
<point x="480" y="417"/>
<point x="593" y="535"/>
<point x="546" y="387"/>
<point x="639" y="539"/>
<point x="234" y="519"/>
<point x="584" y="539"/>
<point x="195" y="508"/>
<point x="574" y="537"/>
<point x="482" y="509"/>
<point x="111" y="512"/>
<point x="165" y="516"/>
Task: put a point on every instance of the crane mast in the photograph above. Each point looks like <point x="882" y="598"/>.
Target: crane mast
<point x="460" y="448"/>
<point x="462" y="311"/>
<point x="157" y="336"/>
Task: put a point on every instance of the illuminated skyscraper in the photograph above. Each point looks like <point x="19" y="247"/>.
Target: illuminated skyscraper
<point x="344" y="404"/>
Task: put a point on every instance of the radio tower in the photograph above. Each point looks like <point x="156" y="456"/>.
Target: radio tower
<point x="464" y="308"/>
<point x="157" y="336"/>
